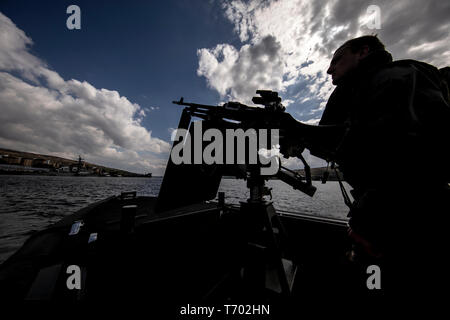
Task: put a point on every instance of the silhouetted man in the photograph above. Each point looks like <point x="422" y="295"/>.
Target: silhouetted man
<point x="392" y="124"/>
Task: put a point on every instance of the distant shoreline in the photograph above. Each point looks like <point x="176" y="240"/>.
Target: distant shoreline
<point x="26" y="163"/>
<point x="53" y="174"/>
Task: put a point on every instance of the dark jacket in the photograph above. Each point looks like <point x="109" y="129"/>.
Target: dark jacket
<point x="399" y="123"/>
<point x="396" y="146"/>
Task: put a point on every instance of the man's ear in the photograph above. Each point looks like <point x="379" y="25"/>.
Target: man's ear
<point x="363" y="52"/>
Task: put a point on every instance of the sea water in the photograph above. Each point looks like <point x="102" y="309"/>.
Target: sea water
<point x="31" y="203"/>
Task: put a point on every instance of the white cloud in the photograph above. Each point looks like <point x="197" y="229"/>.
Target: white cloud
<point x="295" y="163"/>
<point x="277" y="50"/>
<point x="44" y="113"/>
<point x="287" y="102"/>
<point x="237" y="75"/>
<point x="216" y="65"/>
<point x="173" y="133"/>
<point x="305" y="34"/>
<point x="313" y="121"/>
<point x="287" y="44"/>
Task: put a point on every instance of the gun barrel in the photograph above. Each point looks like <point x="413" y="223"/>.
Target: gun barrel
<point x="295" y="181"/>
<point x="193" y="105"/>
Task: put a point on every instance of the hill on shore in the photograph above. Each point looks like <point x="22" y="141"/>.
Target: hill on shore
<point x="63" y="162"/>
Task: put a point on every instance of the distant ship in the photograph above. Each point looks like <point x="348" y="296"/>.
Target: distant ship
<point x="80" y="170"/>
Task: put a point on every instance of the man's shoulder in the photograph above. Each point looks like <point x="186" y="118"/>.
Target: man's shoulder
<point x="404" y="70"/>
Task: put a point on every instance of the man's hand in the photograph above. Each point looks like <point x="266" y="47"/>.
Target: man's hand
<point x="289" y="146"/>
<point x="290" y="140"/>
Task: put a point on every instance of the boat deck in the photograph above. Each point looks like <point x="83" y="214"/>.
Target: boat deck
<point x="187" y="254"/>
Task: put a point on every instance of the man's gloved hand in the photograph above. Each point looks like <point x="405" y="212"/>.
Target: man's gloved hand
<point x="290" y="142"/>
<point x="290" y="145"/>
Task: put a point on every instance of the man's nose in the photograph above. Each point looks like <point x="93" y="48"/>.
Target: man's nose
<point x="330" y="69"/>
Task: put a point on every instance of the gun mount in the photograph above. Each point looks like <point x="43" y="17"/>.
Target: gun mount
<point x="261" y="228"/>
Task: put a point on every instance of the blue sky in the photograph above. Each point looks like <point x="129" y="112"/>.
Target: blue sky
<point x="105" y="91"/>
<point x="146" y="51"/>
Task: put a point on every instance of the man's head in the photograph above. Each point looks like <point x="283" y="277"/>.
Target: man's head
<point x="348" y="56"/>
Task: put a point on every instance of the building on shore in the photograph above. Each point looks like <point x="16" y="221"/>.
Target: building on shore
<point x="27" y="162"/>
<point x="42" y="163"/>
<point x="8" y="159"/>
<point x="64" y="169"/>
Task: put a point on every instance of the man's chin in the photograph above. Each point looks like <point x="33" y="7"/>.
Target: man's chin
<point x="337" y="81"/>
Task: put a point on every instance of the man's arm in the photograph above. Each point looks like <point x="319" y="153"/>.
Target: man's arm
<point x="321" y="140"/>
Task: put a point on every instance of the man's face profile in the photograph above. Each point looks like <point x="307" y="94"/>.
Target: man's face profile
<point x="344" y="60"/>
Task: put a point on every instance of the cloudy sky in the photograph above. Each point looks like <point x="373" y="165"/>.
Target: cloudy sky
<point x="105" y="91"/>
